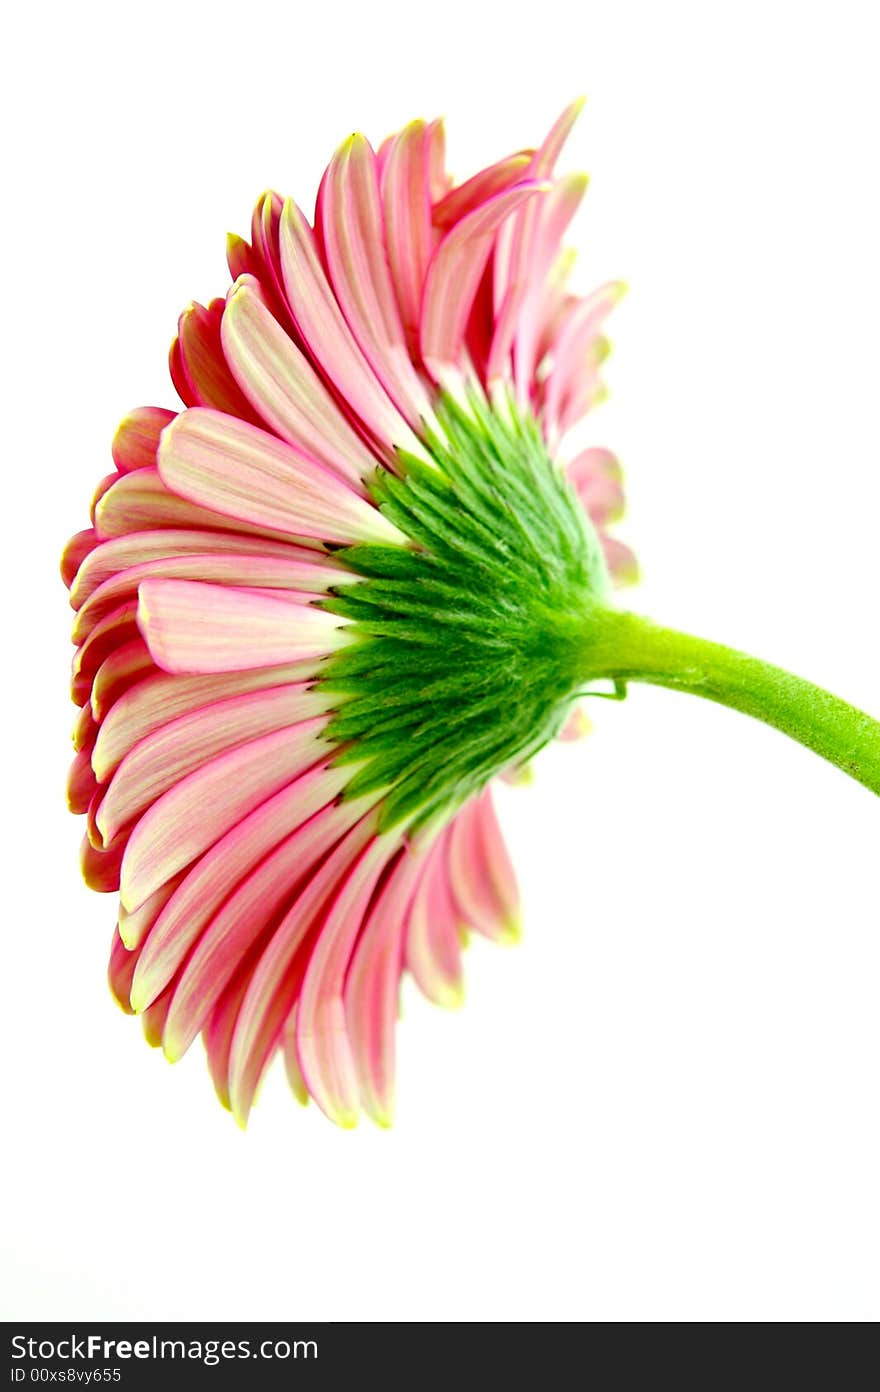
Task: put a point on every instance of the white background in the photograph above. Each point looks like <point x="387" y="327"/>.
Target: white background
<point x="664" y="1104"/>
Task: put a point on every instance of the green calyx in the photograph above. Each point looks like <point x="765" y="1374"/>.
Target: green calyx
<point x="471" y="637"/>
<point x="467" y="640"/>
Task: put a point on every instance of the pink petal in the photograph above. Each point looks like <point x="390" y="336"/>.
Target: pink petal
<point x="498" y="867"/>
<point x="204" y="362"/>
<point x="92" y="831"/>
<point x="153" y="1020"/>
<point x="192" y="628"/>
<point x="480" y="874"/>
<point x="351" y="224"/>
<point x="322" y="1044"/>
<point x="177" y="371"/>
<point x="240" y="257"/>
<point x="75" y="553"/>
<point x="120" y="970"/>
<point x="265" y="230"/>
<point x="116" y="627"/>
<point x="538" y="254"/>
<point x="579" y="331"/>
<point x="106" y="482"/>
<point x="135" y="926"/>
<point x="372" y="986"/>
<point x="240" y="925"/>
<point x="123" y="668"/>
<point x="282" y="384"/>
<point x="406" y="192"/>
<point x="140" y="502"/>
<point x="585" y="391"/>
<point x="476" y="191"/>
<point x="330" y="341"/>
<point x="81" y="783"/>
<point x="545" y="157"/>
<point x="121" y="553"/>
<point x="295" y="1079"/>
<point x="620" y="559"/>
<point x="162" y="698"/>
<point x="576" y="727"/>
<point x="597" y="479"/>
<point x="241" y="472"/>
<point x="169" y="754"/>
<point x="282" y="577"/>
<point x="206" y="804"/>
<point x="219" y="1031"/>
<point x="85" y="731"/>
<point x="275" y="983"/>
<point x="137" y="438"/>
<point x="433" y="933"/>
<point x="535" y="341"/>
<point x="535" y="234"/>
<point x="100" y="869"/>
<point x="440" y="182"/>
<point x="454" y="274"/>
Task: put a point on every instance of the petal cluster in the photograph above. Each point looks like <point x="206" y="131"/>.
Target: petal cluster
<point x="266" y="900"/>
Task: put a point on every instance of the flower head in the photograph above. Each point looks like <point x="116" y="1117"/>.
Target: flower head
<point x="323" y="605"/>
<point x="356" y="578"/>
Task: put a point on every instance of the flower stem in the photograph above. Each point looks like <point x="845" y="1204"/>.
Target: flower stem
<point x="626" y="647"/>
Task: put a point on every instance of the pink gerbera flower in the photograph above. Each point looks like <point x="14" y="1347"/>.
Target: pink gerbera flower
<point x="320" y="608"/>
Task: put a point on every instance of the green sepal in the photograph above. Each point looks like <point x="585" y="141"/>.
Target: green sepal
<point x="466" y="639"/>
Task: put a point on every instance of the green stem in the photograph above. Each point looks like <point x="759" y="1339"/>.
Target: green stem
<point x="626" y="647"/>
